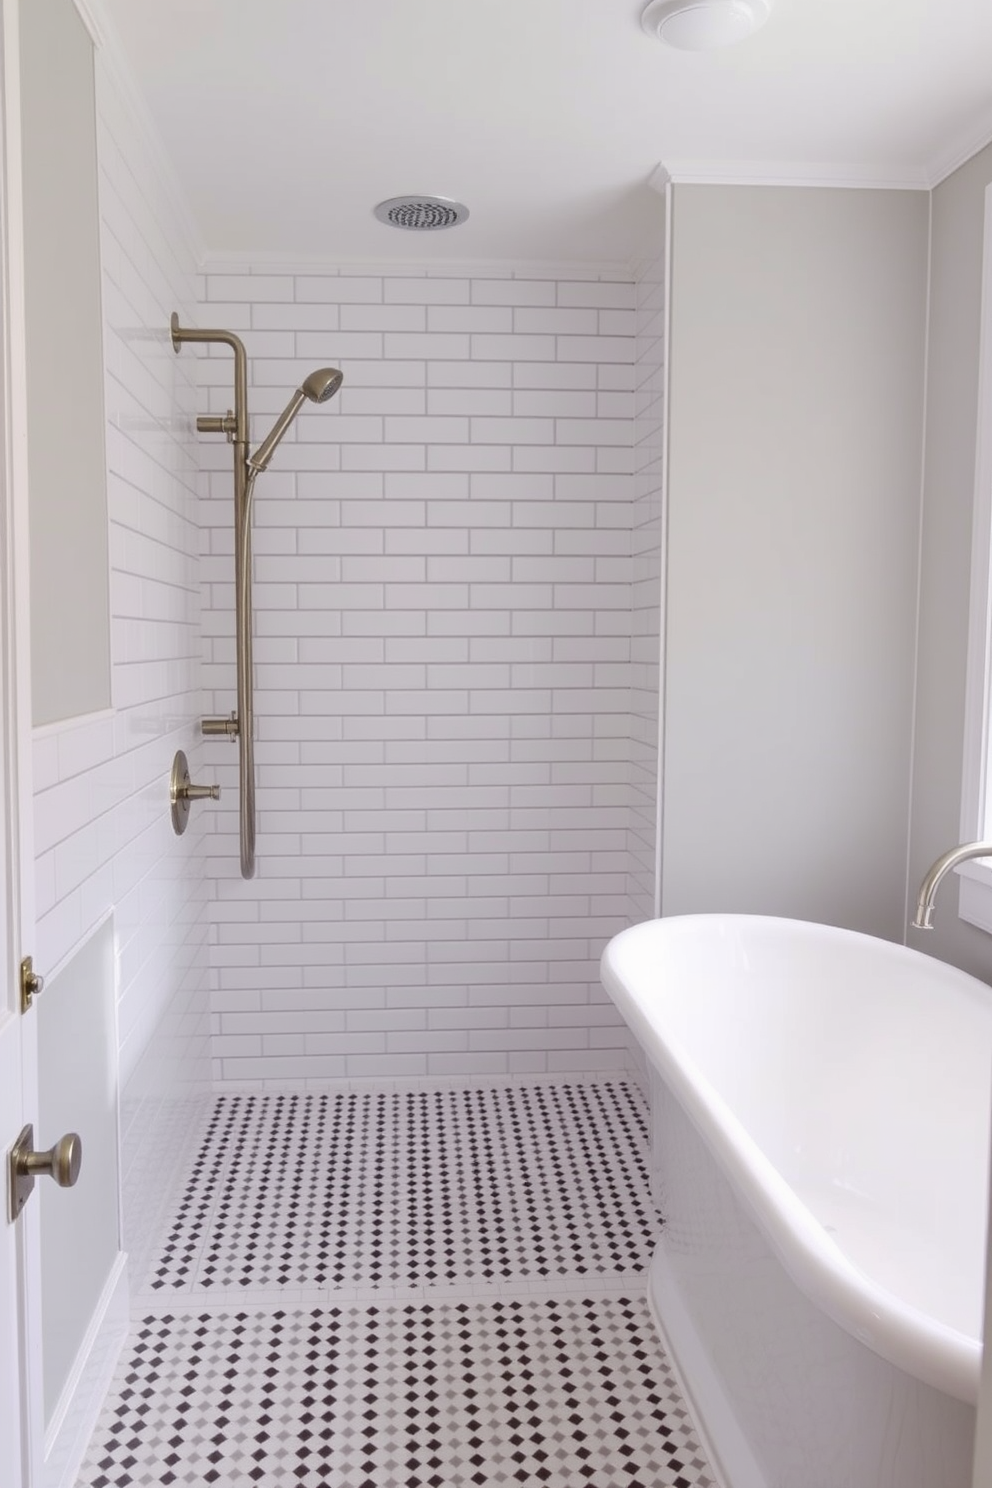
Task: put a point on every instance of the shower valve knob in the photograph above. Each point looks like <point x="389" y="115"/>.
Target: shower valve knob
<point x="199" y="792"/>
<point x="182" y="792"/>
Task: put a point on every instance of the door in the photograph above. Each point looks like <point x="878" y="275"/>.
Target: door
<point x="21" y="1401"/>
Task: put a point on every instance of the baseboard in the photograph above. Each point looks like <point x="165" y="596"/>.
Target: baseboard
<point x="721" y="1438"/>
<point x="76" y="1414"/>
<point x="416" y="1084"/>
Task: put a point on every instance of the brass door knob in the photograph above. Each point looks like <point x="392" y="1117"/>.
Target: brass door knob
<point x="32" y="985"/>
<point x="61" y="1162"/>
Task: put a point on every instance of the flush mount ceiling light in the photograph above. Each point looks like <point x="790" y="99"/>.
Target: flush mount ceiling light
<point x="701" y="25"/>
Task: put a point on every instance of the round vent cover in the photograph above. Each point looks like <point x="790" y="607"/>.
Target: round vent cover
<point x="421" y="213"/>
<point x="699" y="25"/>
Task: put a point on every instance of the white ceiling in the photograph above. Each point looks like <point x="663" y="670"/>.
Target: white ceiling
<point x="287" y="120"/>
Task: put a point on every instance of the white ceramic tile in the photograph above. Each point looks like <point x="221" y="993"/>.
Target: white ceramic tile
<point x="414" y="598"/>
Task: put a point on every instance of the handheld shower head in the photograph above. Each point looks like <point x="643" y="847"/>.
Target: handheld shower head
<point x="318" y="387"/>
<point x="322" y="384"/>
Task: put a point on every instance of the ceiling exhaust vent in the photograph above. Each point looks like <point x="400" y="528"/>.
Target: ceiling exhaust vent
<point x="421" y="213"/>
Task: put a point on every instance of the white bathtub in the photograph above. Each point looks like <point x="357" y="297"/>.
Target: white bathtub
<point x="821" y="1117"/>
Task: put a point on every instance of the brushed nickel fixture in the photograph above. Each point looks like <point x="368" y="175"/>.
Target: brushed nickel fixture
<point x="317" y="388"/>
<point x="182" y="794"/>
<point x="61" y="1162"/>
<point x="923" y="919"/>
<point x="421" y="213"/>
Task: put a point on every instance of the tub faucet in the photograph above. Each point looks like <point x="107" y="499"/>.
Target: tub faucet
<point x="934" y="874"/>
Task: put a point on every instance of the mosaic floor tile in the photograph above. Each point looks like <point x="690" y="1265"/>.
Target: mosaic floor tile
<point x="452" y="1395"/>
<point x="351" y="1190"/>
<point x="519" y="1221"/>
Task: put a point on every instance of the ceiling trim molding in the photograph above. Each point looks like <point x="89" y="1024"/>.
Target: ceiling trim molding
<point x="96" y="17"/>
<point x="660" y="179"/>
<point x="91" y="21"/>
<point x="826" y="174"/>
<point x="240" y="262"/>
<point x="961" y="152"/>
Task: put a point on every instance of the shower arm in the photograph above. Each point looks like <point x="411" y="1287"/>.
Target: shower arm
<point x="242" y="724"/>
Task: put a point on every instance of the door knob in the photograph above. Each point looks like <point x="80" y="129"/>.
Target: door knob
<point x="61" y="1162"/>
<point x="32" y="985"/>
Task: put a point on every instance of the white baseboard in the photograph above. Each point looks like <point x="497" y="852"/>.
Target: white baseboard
<point x="727" y="1450"/>
<point x="79" y="1406"/>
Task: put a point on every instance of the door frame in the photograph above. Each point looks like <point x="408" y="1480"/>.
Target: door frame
<point x="23" y="1410"/>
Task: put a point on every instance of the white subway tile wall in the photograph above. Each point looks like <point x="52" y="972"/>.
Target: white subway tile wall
<point x="443" y="673"/>
<point x="646" y="525"/>
<point x="103" y="837"/>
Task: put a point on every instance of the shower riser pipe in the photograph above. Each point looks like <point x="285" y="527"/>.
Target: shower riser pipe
<point x="243" y="481"/>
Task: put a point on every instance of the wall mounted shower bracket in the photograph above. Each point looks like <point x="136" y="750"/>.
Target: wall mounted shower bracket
<point x="221" y="728"/>
<point x="218" y="423"/>
<point x="317" y="388"/>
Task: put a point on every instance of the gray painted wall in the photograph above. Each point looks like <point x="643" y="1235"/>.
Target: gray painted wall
<point x="949" y="491"/>
<point x="798" y="322"/>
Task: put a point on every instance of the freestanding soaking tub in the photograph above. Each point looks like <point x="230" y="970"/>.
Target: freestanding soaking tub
<point x="821" y="1119"/>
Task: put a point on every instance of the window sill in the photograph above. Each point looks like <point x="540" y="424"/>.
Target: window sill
<point x="975" y="895"/>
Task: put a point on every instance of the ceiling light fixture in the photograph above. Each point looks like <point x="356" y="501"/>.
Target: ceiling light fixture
<point x="701" y="25"/>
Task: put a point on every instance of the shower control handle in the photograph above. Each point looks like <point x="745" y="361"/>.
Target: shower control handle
<point x="182" y="792"/>
<point x="199" y="793"/>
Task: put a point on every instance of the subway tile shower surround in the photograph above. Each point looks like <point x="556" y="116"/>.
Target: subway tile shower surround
<point x="443" y="673"/>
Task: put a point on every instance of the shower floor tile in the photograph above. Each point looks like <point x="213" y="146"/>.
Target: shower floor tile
<point x="541" y="1391"/>
<point x="423" y="1188"/>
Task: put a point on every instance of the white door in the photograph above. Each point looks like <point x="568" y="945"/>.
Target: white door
<point x="21" y="1402"/>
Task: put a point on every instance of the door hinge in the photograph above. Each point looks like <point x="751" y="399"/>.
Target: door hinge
<point x="31" y="983"/>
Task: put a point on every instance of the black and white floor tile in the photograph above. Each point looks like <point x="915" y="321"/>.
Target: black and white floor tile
<point x="435" y="1289"/>
<point x="544" y="1392"/>
<point x="358" y="1190"/>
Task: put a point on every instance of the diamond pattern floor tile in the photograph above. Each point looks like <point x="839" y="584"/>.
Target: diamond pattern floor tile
<point x="518" y="1219"/>
<point x="418" y="1188"/>
<point x="452" y="1395"/>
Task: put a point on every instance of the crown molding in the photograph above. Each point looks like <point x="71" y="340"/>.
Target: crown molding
<point x="660" y="179"/>
<point x="96" y="16"/>
<point x="961" y="150"/>
<point x="91" y="21"/>
<point x="241" y="262"/>
<point x="825" y="174"/>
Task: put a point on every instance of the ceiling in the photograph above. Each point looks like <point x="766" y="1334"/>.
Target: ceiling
<point x="286" y="121"/>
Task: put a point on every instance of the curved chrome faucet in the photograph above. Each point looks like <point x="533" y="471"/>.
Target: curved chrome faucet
<point x="936" y="872"/>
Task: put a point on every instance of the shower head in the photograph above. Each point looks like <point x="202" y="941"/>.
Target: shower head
<point x="322" y="384"/>
<point x="318" y="387"/>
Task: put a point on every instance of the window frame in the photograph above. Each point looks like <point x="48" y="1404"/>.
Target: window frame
<point x="975" y="877"/>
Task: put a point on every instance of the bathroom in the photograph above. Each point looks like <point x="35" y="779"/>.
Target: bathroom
<point x="536" y="656"/>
